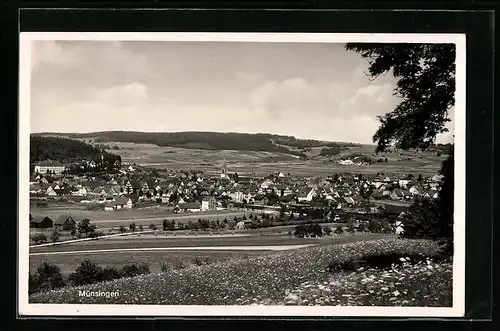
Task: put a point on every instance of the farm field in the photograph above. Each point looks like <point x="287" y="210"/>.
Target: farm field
<point x="263" y="163"/>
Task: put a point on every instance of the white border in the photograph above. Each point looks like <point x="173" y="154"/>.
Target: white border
<point x="25" y="308"/>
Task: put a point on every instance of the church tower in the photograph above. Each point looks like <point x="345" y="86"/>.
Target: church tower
<point x="224" y="169"/>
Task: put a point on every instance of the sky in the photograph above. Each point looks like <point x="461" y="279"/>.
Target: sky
<point x="310" y="91"/>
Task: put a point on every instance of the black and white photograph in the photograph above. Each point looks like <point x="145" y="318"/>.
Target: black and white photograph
<point x="242" y="174"/>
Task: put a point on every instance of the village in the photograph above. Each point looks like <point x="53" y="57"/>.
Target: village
<point x="334" y="198"/>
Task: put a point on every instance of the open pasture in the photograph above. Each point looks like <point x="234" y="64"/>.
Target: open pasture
<point x="263" y="163"/>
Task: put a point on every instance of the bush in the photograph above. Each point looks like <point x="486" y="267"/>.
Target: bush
<point x="327" y="230"/>
<point x="385" y="255"/>
<point x="122" y="229"/>
<point x="39" y="238"/>
<point x="339" y="230"/>
<point x="86" y="273"/>
<point x="152" y="226"/>
<point x="108" y="273"/>
<point x="47" y="277"/>
<point x="134" y="270"/>
<point x="311" y="229"/>
<point x="362" y="227"/>
<point x="94" y="234"/>
<point x="375" y="226"/>
<point x="197" y="261"/>
<point x="54" y="237"/>
<point x="164" y="267"/>
<point x="132" y="227"/>
<point x="350" y="227"/>
<point x="420" y="220"/>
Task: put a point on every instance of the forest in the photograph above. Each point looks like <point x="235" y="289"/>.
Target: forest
<point x="260" y="142"/>
<point x="66" y="150"/>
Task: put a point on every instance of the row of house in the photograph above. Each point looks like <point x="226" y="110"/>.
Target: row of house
<point x="63" y="222"/>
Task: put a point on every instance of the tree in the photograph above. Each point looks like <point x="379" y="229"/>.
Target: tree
<point x="54" y="236"/>
<point x="84" y="226"/>
<point x="419" y="221"/>
<point x="425" y="76"/>
<point x="132" y="226"/>
<point x="122" y="229"/>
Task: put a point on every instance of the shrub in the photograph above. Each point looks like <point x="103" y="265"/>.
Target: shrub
<point x="134" y="270"/>
<point x="339" y="230"/>
<point x="122" y="229"/>
<point x="152" y="226"/>
<point x="327" y="230"/>
<point x="86" y="273"/>
<point x="94" y="234"/>
<point x="385" y="255"/>
<point x="362" y="227"/>
<point x="39" y="238"/>
<point x="164" y="267"/>
<point x="197" y="261"/>
<point x="311" y="229"/>
<point x="47" y="277"/>
<point x="350" y="227"/>
<point x="132" y="227"/>
<point x="108" y="273"/>
<point x="141" y="227"/>
<point x="375" y="226"/>
<point x="54" y="237"/>
<point x="420" y="220"/>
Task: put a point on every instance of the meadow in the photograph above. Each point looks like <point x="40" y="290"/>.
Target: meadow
<point x="397" y="272"/>
<point x="263" y="163"/>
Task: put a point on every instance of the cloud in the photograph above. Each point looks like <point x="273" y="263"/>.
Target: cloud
<point x="123" y="95"/>
<point x="50" y="52"/>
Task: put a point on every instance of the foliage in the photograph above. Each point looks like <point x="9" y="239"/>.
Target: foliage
<point x="339" y="230"/>
<point x="47" y="277"/>
<point x="332" y="151"/>
<point x="260" y="142"/>
<point x="54" y="237"/>
<point x="90" y="273"/>
<point x="134" y="270"/>
<point x="308" y="230"/>
<point x="421" y="220"/>
<point x="425" y="76"/>
<point x="269" y="279"/>
<point x="39" y="238"/>
<point x="132" y="226"/>
<point x="67" y="150"/>
<point x="84" y="226"/>
<point x="445" y="201"/>
<point x="122" y="229"/>
<point x="86" y="273"/>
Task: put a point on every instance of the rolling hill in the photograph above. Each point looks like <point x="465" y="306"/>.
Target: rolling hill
<point x="259" y="142"/>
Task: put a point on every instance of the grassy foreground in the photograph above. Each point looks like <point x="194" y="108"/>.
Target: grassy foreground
<point x="323" y="275"/>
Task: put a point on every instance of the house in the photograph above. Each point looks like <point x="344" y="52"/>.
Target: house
<point x="190" y="207"/>
<point x="41" y="222"/>
<point x="240" y="225"/>
<point x="208" y="203"/>
<point x="350" y="201"/>
<point x="391" y="209"/>
<point x="377" y="195"/>
<point x="50" y="191"/>
<point x="123" y="202"/>
<point x="65" y="222"/>
<point x="49" y="167"/>
<point x="397" y="194"/>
